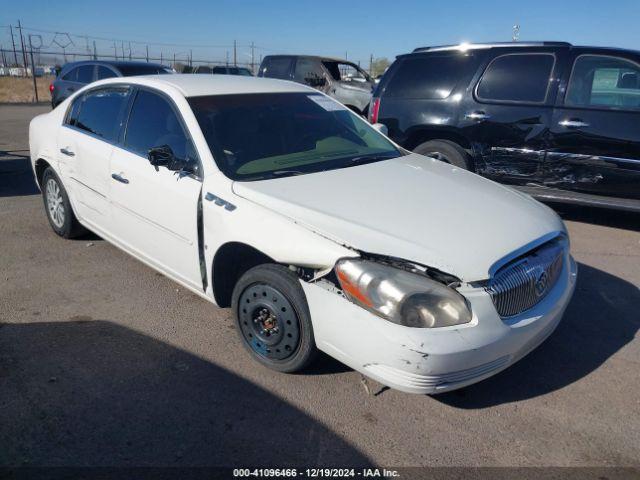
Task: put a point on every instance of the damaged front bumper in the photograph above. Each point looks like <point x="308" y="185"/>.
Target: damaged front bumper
<point x="428" y="361"/>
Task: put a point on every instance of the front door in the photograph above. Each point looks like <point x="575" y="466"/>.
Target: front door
<point x="595" y="131"/>
<point x="509" y="114"/>
<point x="155" y="210"/>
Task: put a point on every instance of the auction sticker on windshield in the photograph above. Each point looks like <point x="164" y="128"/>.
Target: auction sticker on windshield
<point x="326" y="103"/>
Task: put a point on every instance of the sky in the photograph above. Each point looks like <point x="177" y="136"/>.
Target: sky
<point x="352" y="28"/>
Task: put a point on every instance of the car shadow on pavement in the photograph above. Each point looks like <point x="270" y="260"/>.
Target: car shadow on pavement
<point x="87" y="393"/>
<point x="16" y="176"/>
<point x="601" y="319"/>
<point x="599" y="216"/>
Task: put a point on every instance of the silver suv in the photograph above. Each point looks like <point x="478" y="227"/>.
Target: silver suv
<point x="345" y="81"/>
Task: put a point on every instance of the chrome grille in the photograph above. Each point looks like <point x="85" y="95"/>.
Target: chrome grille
<point x="523" y="283"/>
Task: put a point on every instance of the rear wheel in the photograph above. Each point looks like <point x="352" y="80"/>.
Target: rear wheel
<point x="272" y="318"/>
<point x="445" y="151"/>
<point x="59" y="212"/>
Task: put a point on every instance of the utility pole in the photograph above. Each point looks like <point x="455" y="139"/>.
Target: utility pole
<point x="191" y="58"/>
<point x="33" y="70"/>
<point x="235" y="54"/>
<point x="24" y="51"/>
<point x="227" y="63"/>
<point x="13" y="42"/>
<point x="371" y="65"/>
<point x="95" y="52"/>
<point x="122" y="46"/>
<point x="147" y="53"/>
<point x="115" y="51"/>
<point x="160" y="57"/>
<point x="252" y="58"/>
<point x="174" y="60"/>
<point x="129" y="51"/>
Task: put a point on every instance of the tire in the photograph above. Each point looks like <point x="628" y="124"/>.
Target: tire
<point x="272" y="318"/>
<point x="58" y="208"/>
<point x="446" y="151"/>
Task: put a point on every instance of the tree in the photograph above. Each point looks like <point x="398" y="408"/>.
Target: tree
<point x="378" y="66"/>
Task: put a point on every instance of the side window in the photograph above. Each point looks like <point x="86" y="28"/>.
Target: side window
<point x="277" y="67"/>
<point x="85" y="74"/>
<point x="428" y="76"/>
<point x="104" y="72"/>
<point x="604" y="82"/>
<point x="71" y="75"/>
<point x="517" y="78"/>
<point x="72" y="114"/>
<point x="101" y="112"/>
<point x="308" y="71"/>
<point x="154" y="123"/>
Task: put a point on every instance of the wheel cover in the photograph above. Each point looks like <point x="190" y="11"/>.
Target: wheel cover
<point x="55" y="203"/>
<point x="268" y="322"/>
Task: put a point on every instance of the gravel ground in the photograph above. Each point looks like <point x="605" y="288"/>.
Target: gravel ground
<point x="103" y="361"/>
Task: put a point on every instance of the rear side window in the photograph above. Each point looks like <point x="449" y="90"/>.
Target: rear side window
<point x="85" y="74"/>
<point x="431" y="77"/>
<point x="604" y="82"/>
<point x="133" y="70"/>
<point x="278" y="67"/>
<point x="154" y="123"/>
<point x="104" y="72"/>
<point x="71" y="75"/>
<point x="101" y="112"/>
<point x="517" y="78"/>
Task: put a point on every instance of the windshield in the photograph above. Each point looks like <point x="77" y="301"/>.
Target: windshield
<point x="268" y="135"/>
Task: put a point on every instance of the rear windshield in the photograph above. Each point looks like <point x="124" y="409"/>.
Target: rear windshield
<point x="428" y="76"/>
<point x="132" y="70"/>
<point x="260" y="136"/>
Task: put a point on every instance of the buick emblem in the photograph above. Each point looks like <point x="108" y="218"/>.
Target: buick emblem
<point x="541" y="284"/>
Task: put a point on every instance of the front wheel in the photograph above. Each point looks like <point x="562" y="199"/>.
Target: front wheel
<point x="446" y="151"/>
<point x="59" y="212"/>
<point x="273" y="319"/>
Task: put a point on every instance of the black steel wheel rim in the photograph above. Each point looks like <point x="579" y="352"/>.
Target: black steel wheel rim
<point x="268" y="322"/>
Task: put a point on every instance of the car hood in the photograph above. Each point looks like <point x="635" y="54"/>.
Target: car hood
<point x="414" y="208"/>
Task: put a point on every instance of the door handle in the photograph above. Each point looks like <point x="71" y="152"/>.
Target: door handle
<point x="67" y="152"/>
<point x="119" y="178"/>
<point x="477" y="116"/>
<point x="573" y="123"/>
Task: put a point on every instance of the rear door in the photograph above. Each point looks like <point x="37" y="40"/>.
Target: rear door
<point x="595" y="130"/>
<point x="85" y="143"/>
<point x="155" y="209"/>
<point x="507" y="116"/>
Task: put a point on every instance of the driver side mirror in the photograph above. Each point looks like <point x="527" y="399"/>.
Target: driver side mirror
<point x="163" y="156"/>
<point x="160" y="156"/>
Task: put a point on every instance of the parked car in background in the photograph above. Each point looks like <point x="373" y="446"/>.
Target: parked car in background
<point x="276" y="200"/>
<point x="218" y="70"/>
<point x="345" y="81"/>
<point x="560" y="122"/>
<point x="76" y="75"/>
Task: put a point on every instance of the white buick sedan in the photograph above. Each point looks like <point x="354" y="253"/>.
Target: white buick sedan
<point x="319" y="232"/>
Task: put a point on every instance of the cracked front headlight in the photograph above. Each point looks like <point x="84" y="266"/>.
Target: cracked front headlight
<point x="401" y="297"/>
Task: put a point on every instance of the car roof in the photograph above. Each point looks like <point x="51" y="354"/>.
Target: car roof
<point x="315" y="57"/>
<point x="199" y="85"/>
<point x="475" y="46"/>
<point x="114" y="63"/>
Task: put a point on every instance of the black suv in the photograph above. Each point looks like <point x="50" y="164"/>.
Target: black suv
<point x="560" y="122"/>
<point x="76" y="75"/>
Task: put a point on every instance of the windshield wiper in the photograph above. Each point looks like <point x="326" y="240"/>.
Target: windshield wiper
<point x="279" y="173"/>
<point x="370" y="158"/>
